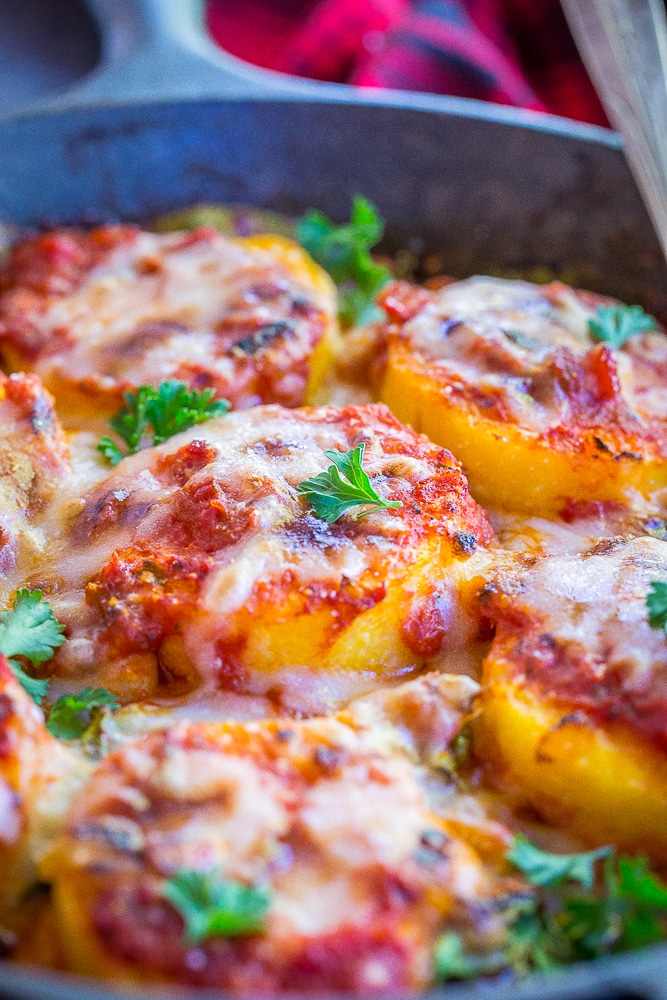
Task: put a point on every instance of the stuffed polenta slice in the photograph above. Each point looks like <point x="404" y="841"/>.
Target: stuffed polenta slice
<point x="204" y="562"/>
<point x="283" y="856"/>
<point x="573" y="709"/>
<point x="545" y="394"/>
<point x="98" y="313"/>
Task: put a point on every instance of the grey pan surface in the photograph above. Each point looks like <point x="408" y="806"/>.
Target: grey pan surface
<point x="45" y="48"/>
<point x="167" y="121"/>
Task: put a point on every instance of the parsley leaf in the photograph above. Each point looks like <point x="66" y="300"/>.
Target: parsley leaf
<point x="542" y="868"/>
<point x="158" y="414"/>
<point x="616" y="324"/>
<point x="213" y="906"/>
<point x="573" y="913"/>
<point x="344" y="251"/>
<point x="330" y="495"/>
<point x="656" y="605"/>
<point x="73" y="714"/>
<point x="30" y="630"/>
<point x="175" y="408"/>
<point x="566" y="922"/>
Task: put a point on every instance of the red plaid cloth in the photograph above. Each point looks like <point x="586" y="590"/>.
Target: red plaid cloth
<point x="516" y="52"/>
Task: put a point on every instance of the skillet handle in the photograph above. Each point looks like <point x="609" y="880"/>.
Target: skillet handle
<point x="158" y="50"/>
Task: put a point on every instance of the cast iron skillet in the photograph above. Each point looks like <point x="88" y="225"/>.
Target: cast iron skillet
<point x="169" y="120"/>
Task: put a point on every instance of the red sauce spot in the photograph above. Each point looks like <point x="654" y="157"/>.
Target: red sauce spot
<point x="345" y="599"/>
<point x="364" y="961"/>
<point x="568" y="674"/>
<point x="582" y="510"/>
<point x="137" y="926"/>
<point x="6" y="714"/>
<point x="425" y="627"/>
<point x="206" y="517"/>
<point x="202" y="234"/>
<point x="51" y="265"/>
<point x="144" y="596"/>
<point x="231" y="674"/>
<point x="402" y="300"/>
<point x="176" y="469"/>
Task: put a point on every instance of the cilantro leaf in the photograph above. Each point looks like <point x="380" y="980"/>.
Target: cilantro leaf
<point x="542" y="868"/>
<point x="614" y="325"/>
<point x="212" y="906"/>
<point x="656" y="605"/>
<point x="30" y="630"/>
<point x="158" y="414"/>
<point x="73" y="714"/>
<point x="344" y="251"/>
<point x="330" y="495"/>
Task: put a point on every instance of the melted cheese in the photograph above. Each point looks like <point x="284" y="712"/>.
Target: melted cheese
<point x="508" y="375"/>
<point x="201" y="555"/>
<point x="196" y="583"/>
<point x="95" y="314"/>
<point x="574" y="708"/>
<point x="330" y="813"/>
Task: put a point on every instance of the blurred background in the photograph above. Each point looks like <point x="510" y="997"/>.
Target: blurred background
<point x="514" y="52"/>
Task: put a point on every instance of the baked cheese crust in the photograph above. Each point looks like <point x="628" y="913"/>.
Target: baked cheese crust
<point x="198" y="563"/>
<point x="573" y="712"/>
<point x="266" y="732"/>
<point x="98" y="313"/>
<point x="332" y="815"/>
<point x="507" y="375"/>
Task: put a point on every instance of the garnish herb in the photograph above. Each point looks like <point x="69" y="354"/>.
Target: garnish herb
<point x="614" y="325"/>
<point x="73" y="715"/>
<point x="542" y="868"/>
<point x="157" y="414"/>
<point x="453" y="962"/>
<point x="574" y="916"/>
<point x="213" y="906"/>
<point x="585" y="906"/>
<point x="330" y="495"/>
<point x="656" y="605"/>
<point x="344" y="251"/>
<point x="30" y="630"/>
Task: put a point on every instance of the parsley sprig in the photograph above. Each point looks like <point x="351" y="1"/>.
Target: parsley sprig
<point x="614" y="325"/>
<point x="542" y="868"/>
<point x="569" y="921"/>
<point x="30" y="631"/>
<point x="74" y="715"/>
<point x="154" y="415"/>
<point x="586" y="905"/>
<point x="344" y="251"/>
<point x="212" y="906"/>
<point x="656" y="605"/>
<point x="330" y="495"/>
